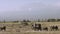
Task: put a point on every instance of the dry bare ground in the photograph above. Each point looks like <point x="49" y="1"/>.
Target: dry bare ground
<point x="18" y="28"/>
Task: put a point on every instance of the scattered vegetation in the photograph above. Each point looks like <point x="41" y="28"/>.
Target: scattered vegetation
<point x="25" y="22"/>
<point x="51" y="20"/>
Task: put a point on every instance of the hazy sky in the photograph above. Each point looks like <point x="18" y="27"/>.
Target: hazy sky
<point x="29" y="9"/>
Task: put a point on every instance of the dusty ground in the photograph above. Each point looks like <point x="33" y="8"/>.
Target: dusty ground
<point x="18" y="28"/>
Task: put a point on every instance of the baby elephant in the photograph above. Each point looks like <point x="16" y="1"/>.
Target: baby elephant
<point x="45" y="28"/>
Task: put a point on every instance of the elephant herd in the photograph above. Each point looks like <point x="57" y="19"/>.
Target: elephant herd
<point x="39" y="27"/>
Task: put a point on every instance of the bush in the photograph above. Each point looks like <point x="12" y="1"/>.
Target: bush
<point x="58" y="19"/>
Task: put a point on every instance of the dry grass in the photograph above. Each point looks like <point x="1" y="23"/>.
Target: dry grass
<point x="14" y="28"/>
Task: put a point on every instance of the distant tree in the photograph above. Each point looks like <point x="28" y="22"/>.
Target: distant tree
<point x="24" y="22"/>
<point x="38" y="20"/>
<point x="58" y="19"/>
<point x="51" y="20"/>
<point x="48" y="20"/>
<point x="15" y="21"/>
<point x="28" y="21"/>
